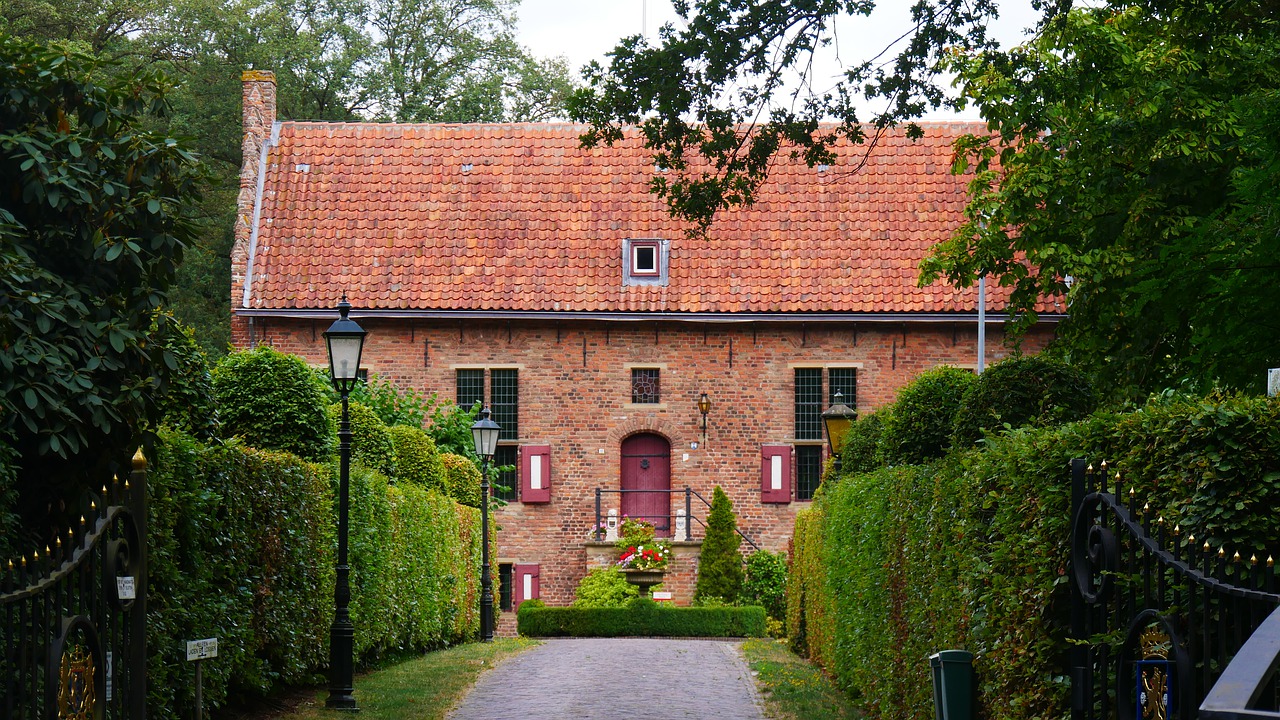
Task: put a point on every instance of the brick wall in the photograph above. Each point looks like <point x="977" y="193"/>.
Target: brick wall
<point x="574" y="394"/>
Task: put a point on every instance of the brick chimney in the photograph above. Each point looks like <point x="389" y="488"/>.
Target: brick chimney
<point x="259" y="92"/>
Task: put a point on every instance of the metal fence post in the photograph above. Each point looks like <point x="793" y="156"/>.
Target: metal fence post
<point x="688" y="513"/>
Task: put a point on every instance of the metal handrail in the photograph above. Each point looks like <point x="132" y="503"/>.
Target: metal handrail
<point x="688" y="492"/>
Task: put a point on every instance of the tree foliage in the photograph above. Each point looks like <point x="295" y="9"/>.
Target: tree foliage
<point x="1133" y="174"/>
<point x="93" y="224"/>
<point x="715" y="102"/>
<point x="720" y="572"/>
<point x="919" y="426"/>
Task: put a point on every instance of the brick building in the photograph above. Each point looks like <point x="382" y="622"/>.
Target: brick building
<point x="504" y="263"/>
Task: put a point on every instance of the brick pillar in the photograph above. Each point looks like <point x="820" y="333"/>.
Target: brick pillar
<point x="259" y="88"/>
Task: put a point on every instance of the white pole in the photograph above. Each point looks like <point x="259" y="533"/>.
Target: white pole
<point x="982" y="323"/>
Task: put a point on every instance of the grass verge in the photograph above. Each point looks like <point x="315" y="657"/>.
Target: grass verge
<point x="792" y="688"/>
<point x="424" y="688"/>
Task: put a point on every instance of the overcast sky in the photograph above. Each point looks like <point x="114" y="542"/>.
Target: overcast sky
<point x="584" y="30"/>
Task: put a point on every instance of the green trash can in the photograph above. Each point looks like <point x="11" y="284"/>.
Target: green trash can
<point x="953" y="696"/>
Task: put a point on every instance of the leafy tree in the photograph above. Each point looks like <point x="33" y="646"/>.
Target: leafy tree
<point x="187" y="394"/>
<point x="93" y="224"/>
<point x="1133" y="175"/>
<point x="715" y="102"/>
<point x="275" y="402"/>
<point x="720" y="573"/>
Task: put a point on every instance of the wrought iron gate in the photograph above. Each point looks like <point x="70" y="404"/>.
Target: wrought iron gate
<point x="74" y="615"/>
<point x="1155" y="615"/>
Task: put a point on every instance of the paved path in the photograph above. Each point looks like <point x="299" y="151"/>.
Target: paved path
<point x="606" y="678"/>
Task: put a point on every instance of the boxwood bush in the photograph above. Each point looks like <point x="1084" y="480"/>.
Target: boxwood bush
<point x="604" y="587"/>
<point x="642" y="617"/>
<point x="970" y="551"/>
<point x="242" y="544"/>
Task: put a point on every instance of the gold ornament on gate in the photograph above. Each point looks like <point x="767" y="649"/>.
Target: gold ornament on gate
<point x="76" y="700"/>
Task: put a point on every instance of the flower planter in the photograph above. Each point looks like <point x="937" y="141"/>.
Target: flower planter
<point x="644" y="579"/>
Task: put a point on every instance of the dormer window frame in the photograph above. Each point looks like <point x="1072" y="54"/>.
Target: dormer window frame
<point x="637" y="272"/>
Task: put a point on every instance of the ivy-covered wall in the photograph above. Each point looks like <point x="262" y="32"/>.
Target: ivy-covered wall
<point x="242" y="546"/>
<point x="970" y="551"/>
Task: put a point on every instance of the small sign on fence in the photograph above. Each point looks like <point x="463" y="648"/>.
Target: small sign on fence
<point x="125" y="589"/>
<point x="202" y="649"/>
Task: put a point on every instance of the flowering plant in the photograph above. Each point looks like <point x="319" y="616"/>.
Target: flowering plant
<point x="639" y="549"/>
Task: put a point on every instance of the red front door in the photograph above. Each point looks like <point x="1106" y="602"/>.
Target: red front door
<point x="646" y="480"/>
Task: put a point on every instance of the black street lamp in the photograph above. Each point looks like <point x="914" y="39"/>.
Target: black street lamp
<point x="345" y="341"/>
<point x="485" y="435"/>
<point x="838" y="418"/>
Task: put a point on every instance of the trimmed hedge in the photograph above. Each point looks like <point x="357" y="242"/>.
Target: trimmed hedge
<point x="371" y="444"/>
<point x="1022" y="390"/>
<point x="461" y="479"/>
<point x="242" y="544"/>
<point x="417" y="460"/>
<point x="643" y="617"/>
<point x="970" y="551"/>
<point x="919" y="427"/>
<point x="274" y="401"/>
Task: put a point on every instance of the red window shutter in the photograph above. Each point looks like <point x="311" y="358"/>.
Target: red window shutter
<point x="775" y="473"/>
<point x="526" y="579"/>
<point x="535" y="473"/>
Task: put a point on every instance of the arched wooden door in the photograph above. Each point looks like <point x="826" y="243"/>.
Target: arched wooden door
<point x="646" y="480"/>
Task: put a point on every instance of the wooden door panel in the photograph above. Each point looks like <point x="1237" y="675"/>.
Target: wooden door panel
<point x="646" y="480"/>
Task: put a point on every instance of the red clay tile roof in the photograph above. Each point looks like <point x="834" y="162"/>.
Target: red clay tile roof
<point x="519" y="218"/>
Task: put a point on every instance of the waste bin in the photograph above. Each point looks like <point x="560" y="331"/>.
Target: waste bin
<point x="953" y="697"/>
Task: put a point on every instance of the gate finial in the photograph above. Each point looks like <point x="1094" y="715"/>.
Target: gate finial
<point x="139" y="460"/>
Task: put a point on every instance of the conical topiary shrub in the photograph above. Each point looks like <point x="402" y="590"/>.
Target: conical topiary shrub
<point x="720" y="565"/>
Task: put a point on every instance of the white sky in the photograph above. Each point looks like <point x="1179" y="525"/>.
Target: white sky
<point x="584" y="30"/>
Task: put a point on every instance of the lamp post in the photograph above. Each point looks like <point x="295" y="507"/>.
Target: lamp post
<point x="344" y="341"/>
<point x="485" y="435"/>
<point x="838" y="418"/>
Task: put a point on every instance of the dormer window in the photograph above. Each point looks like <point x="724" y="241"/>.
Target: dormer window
<point x="645" y="262"/>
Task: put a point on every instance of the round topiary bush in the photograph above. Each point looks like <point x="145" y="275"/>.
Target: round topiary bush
<point x="274" y="402"/>
<point x="417" y="461"/>
<point x="918" y="429"/>
<point x="720" y="562"/>
<point x="371" y="444"/>
<point x="861" y="452"/>
<point x="604" y="587"/>
<point x="1022" y="390"/>
<point x="461" y="479"/>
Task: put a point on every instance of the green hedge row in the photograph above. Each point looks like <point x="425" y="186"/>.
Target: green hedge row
<point x="971" y="551"/>
<point x="242" y="544"/>
<point x="643" y="617"/>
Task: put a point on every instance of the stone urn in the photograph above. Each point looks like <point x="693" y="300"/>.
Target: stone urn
<point x="643" y="579"/>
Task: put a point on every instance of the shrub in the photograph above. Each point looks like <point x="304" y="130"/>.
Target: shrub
<point x="393" y="406"/>
<point x="370" y="442"/>
<point x="861" y="452"/>
<point x="720" y="563"/>
<point x="275" y="402"/>
<point x="642" y="617"/>
<point x="450" y="428"/>
<point x="919" y="427"/>
<point x="186" y="393"/>
<point x="766" y="583"/>
<point x="461" y="479"/>
<point x="241" y="546"/>
<point x="1022" y="390"/>
<point x="604" y="587"/>
<point x="417" y="461"/>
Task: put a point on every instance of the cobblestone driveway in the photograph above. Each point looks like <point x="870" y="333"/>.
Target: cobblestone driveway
<point x="626" y="678"/>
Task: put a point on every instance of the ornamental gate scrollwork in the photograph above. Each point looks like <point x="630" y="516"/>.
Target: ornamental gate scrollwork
<point x="1155" y="615"/>
<point x="73" y="616"/>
